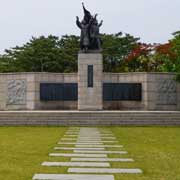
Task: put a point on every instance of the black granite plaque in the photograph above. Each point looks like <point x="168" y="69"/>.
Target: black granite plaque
<point x="90" y="76"/>
<point x="58" y="91"/>
<point x="122" y="92"/>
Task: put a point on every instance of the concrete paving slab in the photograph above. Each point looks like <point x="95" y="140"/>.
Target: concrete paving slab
<point x="104" y="170"/>
<point x="102" y="160"/>
<point x="84" y="141"/>
<point x="69" y="139"/>
<point x="75" y="143"/>
<point x="70" y="136"/>
<point x="101" y="152"/>
<point x="76" y="164"/>
<point x="86" y="138"/>
<point x="72" y="177"/>
<point x="86" y="149"/>
<point x="98" y="146"/>
<point x="77" y="155"/>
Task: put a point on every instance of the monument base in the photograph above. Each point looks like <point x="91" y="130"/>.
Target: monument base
<point x="90" y="75"/>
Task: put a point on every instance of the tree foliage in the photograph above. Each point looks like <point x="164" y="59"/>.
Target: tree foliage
<point x="42" y="54"/>
<point x="121" y="53"/>
<point x="116" y="48"/>
<point x="52" y="54"/>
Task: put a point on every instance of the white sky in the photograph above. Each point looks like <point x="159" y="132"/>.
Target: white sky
<point x="151" y="20"/>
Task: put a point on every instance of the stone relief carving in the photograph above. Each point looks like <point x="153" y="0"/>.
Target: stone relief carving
<point x="16" y="92"/>
<point x="166" y="92"/>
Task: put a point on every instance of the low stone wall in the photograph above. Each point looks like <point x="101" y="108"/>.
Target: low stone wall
<point x="127" y="78"/>
<point x="89" y="118"/>
<point x="159" y="91"/>
<point x="54" y="78"/>
<point x="21" y="91"/>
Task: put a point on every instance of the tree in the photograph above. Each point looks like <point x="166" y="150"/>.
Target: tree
<point x="141" y="58"/>
<point x="176" y="49"/>
<point x="115" y="48"/>
<point x="52" y="54"/>
<point x="43" y="55"/>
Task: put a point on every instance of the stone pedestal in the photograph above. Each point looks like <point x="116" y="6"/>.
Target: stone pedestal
<point x="90" y="76"/>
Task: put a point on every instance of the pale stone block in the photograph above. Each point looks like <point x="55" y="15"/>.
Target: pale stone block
<point x="59" y="78"/>
<point x="101" y="152"/>
<point x="102" y="160"/>
<point x="30" y="78"/>
<point x="30" y="96"/>
<point x="76" y="164"/>
<point x="70" y="79"/>
<point x="31" y="86"/>
<point x="88" y="97"/>
<point x="96" y="141"/>
<point x="72" y="177"/>
<point x="87" y="149"/>
<point x="30" y="105"/>
<point x="77" y="155"/>
<point x="104" y="170"/>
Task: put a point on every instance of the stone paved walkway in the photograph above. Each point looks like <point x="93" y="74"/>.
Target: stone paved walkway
<point x="89" y="159"/>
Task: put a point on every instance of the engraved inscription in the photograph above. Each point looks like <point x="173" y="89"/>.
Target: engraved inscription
<point x="16" y="92"/>
<point x="166" y="92"/>
<point x="90" y="76"/>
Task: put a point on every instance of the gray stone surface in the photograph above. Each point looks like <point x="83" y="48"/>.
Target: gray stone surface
<point x="90" y="98"/>
<point x="76" y="164"/>
<point x="72" y="177"/>
<point x="70" y="136"/>
<point x="71" y="143"/>
<point x="77" y="155"/>
<point x="166" y="92"/>
<point x="104" y="170"/>
<point x="99" y="146"/>
<point x="102" y="160"/>
<point x="69" y="139"/>
<point x="101" y="152"/>
<point x="96" y="138"/>
<point x="87" y="149"/>
<point x="94" y="141"/>
<point x="16" y="92"/>
<point x="72" y="133"/>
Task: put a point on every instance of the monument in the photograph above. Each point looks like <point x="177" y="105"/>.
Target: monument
<point x="91" y="88"/>
<point x="90" y="63"/>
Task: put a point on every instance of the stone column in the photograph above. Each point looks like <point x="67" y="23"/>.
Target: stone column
<point x="90" y="74"/>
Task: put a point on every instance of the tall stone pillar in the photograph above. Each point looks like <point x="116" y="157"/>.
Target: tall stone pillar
<point x="90" y="74"/>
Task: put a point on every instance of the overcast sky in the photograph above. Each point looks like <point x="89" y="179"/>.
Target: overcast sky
<point x="152" y="20"/>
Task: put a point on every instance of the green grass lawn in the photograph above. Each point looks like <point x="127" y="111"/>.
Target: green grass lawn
<point x="156" y="150"/>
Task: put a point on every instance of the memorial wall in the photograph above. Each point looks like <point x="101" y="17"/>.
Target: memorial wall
<point x="120" y="91"/>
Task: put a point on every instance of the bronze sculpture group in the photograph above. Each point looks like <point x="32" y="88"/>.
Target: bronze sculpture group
<point x="90" y="37"/>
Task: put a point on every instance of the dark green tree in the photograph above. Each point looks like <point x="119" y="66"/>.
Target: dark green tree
<point x="51" y="54"/>
<point x="42" y="55"/>
<point x="176" y="49"/>
<point x="116" y="47"/>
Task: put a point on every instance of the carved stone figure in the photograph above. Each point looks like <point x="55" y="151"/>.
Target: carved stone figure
<point x="90" y="38"/>
<point x="16" y="92"/>
<point x="94" y="34"/>
<point x="85" y="40"/>
<point x="167" y="93"/>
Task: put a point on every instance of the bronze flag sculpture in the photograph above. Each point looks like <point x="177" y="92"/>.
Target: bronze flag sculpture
<point x="90" y="36"/>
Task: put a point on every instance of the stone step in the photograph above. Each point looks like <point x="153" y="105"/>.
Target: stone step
<point x="102" y="159"/>
<point x="74" y="143"/>
<point x="104" y="170"/>
<point x="89" y="118"/>
<point x="72" y="177"/>
<point x="76" y="164"/>
<point x="99" y="146"/>
<point x="87" y="149"/>
<point x="77" y="155"/>
<point x="100" y="152"/>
